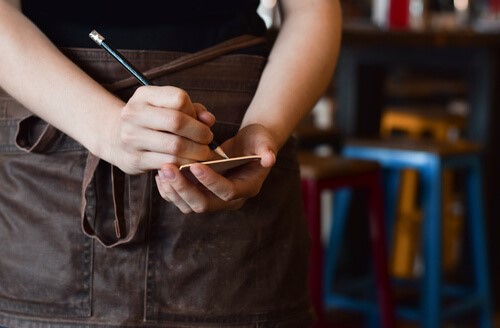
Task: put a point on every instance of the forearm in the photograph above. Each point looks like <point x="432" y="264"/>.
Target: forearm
<point x="300" y="67"/>
<point x="34" y="72"/>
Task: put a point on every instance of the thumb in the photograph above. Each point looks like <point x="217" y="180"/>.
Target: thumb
<point x="267" y="154"/>
<point x="203" y="115"/>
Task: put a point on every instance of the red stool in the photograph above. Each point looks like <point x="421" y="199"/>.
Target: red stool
<point x="332" y="173"/>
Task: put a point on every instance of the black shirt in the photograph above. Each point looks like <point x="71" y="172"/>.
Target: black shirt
<point x="180" y="25"/>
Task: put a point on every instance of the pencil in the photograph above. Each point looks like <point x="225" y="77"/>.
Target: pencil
<point x="99" y="39"/>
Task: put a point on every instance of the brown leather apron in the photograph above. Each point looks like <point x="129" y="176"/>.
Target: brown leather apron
<point x="161" y="268"/>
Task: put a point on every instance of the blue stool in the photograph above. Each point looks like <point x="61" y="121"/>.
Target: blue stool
<point x="429" y="159"/>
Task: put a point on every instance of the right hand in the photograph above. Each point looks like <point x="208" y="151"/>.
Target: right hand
<point x="159" y="125"/>
<point x="213" y="191"/>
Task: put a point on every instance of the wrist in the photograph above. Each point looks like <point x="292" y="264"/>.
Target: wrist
<point x="100" y="131"/>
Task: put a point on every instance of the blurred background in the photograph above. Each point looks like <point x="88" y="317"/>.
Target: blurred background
<point x="433" y="60"/>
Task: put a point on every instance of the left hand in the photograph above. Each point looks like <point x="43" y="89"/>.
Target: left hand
<point x="215" y="192"/>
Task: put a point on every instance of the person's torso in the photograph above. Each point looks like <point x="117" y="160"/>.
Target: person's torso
<point x="188" y="25"/>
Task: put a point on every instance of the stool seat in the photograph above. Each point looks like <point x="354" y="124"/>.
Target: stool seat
<point x="321" y="167"/>
<point x="441" y="148"/>
<point x="417" y="122"/>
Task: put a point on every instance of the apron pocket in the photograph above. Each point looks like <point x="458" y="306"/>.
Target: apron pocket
<point x="46" y="261"/>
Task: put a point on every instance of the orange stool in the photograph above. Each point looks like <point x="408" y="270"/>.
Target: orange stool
<point x="418" y="124"/>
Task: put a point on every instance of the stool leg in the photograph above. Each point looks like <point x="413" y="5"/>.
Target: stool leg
<point x="407" y="218"/>
<point x="391" y="185"/>
<point x="478" y="241"/>
<point x="340" y="209"/>
<point x="311" y="199"/>
<point x="431" y="243"/>
<point x="452" y="222"/>
<point x="379" y="251"/>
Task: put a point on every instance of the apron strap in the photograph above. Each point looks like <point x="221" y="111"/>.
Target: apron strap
<point x="193" y="59"/>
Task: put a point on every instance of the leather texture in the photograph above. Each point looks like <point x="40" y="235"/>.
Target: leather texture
<point x="62" y="263"/>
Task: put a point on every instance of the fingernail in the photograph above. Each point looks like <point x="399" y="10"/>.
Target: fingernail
<point x="166" y="174"/>
<point x="161" y="175"/>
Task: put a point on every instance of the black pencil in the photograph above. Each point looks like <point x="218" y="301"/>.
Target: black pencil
<point x="99" y="39"/>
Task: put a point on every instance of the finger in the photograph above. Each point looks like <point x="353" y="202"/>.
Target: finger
<point x="267" y="156"/>
<point x="243" y="182"/>
<point x="265" y="149"/>
<point x="166" y="97"/>
<point x="199" y="200"/>
<point x="165" y="120"/>
<point x="165" y="177"/>
<point x="204" y="115"/>
<point x="141" y="162"/>
<point x="168" y="143"/>
<point x="223" y="188"/>
<point x="159" y="186"/>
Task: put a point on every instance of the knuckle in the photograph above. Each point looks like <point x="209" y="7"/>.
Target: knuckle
<point x="127" y="114"/>
<point x="135" y="160"/>
<point x="180" y="98"/>
<point x="140" y="92"/>
<point x="205" y="152"/>
<point x="228" y="195"/>
<point x="254" y="192"/>
<point x="167" y="195"/>
<point x="175" y="145"/>
<point x="238" y="204"/>
<point x="207" y="135"/>
<point x="176" y="121"/>
<point x="200" y="207"/>
<point x="185" y="210"/>
<point x="208" y="153"/>
<point x="200" y="107"/>
<point x="127" y="138"/>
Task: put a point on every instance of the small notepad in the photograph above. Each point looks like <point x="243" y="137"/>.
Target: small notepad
<point x="222" y="165"/>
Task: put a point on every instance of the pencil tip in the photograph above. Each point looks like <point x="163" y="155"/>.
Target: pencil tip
<point x="219" y="151"/>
